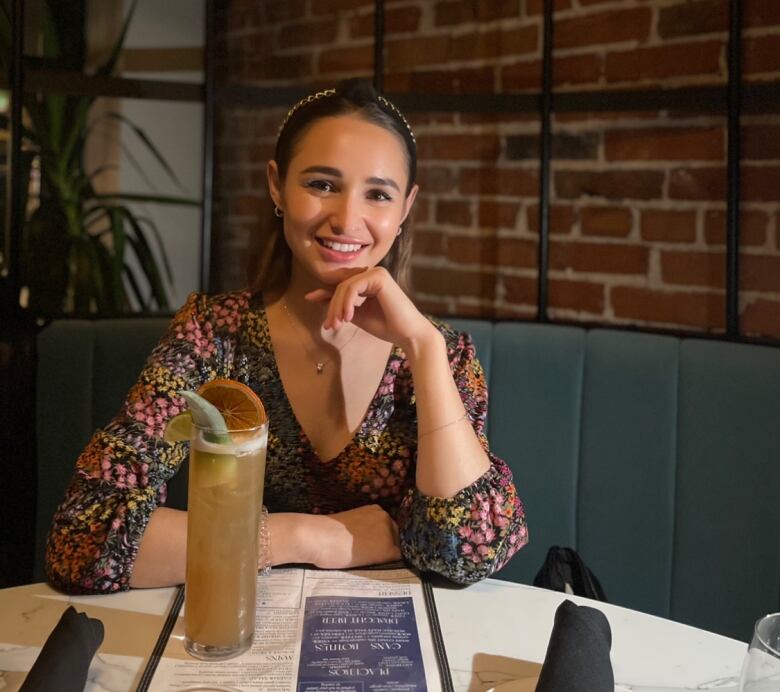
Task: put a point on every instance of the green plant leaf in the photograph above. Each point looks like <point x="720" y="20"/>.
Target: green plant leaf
<point x="111" y="300"/>
<point x="160" y="246"/>
<point x="118" y="251"/>
<point x="82" y="237"/>
<point x="140" y="197"/>
<point x="149" y="266"/>
<point x="107" y="67"/>
<point x="134" y="286"/>
<point x="76" y="134"/>
<point x="149" y="145"/>
<point x="127" y="151"/>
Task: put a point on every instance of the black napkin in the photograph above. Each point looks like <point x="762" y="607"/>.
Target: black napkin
<point x="578" y="653"/>
<point x="64" y="660"/>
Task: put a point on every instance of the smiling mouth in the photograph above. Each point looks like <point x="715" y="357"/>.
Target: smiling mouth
<point x="339" y="247"/>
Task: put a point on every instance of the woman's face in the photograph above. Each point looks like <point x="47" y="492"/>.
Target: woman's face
<point x="343" y="198"/>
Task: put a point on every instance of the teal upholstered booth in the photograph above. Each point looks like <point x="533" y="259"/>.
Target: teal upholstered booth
<point x="658" y="458"/>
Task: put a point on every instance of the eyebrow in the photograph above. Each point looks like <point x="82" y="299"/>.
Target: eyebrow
<point x="336" y="173"/>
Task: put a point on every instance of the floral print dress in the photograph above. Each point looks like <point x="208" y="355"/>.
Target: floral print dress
<point x="121" y="477"/>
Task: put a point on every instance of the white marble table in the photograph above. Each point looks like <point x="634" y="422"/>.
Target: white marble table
<point x="492" y="627"/>
<point x="495" y="633"/>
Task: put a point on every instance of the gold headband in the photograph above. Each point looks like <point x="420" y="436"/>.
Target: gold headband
<point x="389" y="105"/>
<point x="331" y="92"/>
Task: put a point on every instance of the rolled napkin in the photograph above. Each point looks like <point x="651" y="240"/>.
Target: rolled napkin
<point x="578" y="652"/>
<point x="64" y="660"/>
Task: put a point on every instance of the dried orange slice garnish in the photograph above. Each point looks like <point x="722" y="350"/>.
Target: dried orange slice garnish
<point x="239" y="405"/>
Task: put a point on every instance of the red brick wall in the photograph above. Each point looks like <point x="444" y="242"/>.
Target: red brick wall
<point x="638" y="198"/>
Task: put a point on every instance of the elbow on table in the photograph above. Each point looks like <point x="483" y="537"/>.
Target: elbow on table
<point x="81" y="568"/>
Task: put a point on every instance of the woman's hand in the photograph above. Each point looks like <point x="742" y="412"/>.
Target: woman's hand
<point x="363" y="536"/>
<point x="376" y="303"/>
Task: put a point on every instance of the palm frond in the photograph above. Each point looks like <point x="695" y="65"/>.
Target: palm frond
<point x="107" y="67"/>
<point x="149" y="145"/>
<point x="146" y="260"/>
<point x="135" y="287"/>
<point x="158" y="239"/>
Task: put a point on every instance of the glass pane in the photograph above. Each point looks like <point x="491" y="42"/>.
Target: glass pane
<point x="164" y="39"/>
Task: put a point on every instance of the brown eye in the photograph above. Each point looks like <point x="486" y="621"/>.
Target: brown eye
<point x="321" y="185"/>
<point x="379" y="196"/>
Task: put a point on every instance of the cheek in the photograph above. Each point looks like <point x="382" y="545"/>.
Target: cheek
<point x="304" y="210"/>
<point x="386" y="223"/>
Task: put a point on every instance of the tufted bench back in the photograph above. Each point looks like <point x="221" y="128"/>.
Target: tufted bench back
<point x="657" y="458"/>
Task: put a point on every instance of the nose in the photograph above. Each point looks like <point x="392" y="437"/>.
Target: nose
<point x="346" y="215"/>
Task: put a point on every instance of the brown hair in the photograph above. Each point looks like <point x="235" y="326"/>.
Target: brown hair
<point x="270" y="264"/>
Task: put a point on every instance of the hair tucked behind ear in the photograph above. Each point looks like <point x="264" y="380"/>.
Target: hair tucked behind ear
<point x="270" y="263"/>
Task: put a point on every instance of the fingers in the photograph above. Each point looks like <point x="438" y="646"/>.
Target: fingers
<point x="319" y="295"/>
<point x="336" y="276"/>
<point x="349" y="294"/>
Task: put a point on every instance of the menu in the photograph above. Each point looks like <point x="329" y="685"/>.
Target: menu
<point x="372" y="630"/>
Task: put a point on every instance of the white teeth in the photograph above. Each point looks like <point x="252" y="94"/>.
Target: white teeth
<point x="340" y="247"/>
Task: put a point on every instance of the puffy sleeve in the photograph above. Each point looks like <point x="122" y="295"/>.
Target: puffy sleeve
<point x="120" y="478"/>
<point x="473" y="534"/>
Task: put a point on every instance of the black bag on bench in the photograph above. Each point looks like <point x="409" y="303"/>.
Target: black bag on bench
<point x="563" y="570"/>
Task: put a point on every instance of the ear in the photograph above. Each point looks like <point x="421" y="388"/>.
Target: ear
<point x="409" y="201"/>
<point x="274" y="184"/>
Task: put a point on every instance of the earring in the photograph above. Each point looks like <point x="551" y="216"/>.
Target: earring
<point x="278" y="213"/>
<point x="399" y="231"/>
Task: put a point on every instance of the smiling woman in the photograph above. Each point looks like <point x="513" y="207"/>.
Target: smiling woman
<point x="376" y="445"/>
<point x="340" y="203"/>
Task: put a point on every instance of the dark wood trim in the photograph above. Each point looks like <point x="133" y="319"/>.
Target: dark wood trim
<point x="207" y="185"/>
<point x="79" y="84"/>
<point x="754" y="98"/>
<point x="545" y="155"/>
<point x="183" y="59"/>
<point x="733" y="168"/>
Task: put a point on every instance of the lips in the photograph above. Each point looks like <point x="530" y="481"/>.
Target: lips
<point x="342" y="250"/>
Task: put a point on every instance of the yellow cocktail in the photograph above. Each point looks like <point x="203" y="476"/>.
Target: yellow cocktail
<point x="228" y="432"/>
<point x="224" y="501"/>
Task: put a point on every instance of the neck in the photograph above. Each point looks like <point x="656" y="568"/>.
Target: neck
<point x="309" y="314"/>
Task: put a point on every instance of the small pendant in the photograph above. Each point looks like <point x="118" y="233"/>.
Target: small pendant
<point x="320" y="366"/>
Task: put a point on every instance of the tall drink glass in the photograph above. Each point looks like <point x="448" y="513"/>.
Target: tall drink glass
<point x="225" y="498"/>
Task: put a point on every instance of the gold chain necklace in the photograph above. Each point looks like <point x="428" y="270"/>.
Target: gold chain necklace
<point x="320" y="364"/>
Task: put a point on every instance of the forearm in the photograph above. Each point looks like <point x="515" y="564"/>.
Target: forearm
<point x="162" y="553"/>
<point x="449" y="454"/>
<point x="290" y="537"/>
<point x="365" y="535"/>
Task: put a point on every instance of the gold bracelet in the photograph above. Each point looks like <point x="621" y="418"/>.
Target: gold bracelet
<point x="264" y="561"/>
<point x="441" y="427"/>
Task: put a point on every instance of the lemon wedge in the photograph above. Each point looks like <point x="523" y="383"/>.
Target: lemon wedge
<point x="179" y="428"/>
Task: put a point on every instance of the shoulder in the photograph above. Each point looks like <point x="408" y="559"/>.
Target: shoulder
<point x="218" y="303"/>
<point x="222" y="312"/>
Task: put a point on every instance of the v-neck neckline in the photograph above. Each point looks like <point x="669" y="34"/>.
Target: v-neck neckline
<point x="304" y="437"/>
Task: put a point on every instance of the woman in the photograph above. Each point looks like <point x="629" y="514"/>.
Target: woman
<point x="376" y="449"/>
